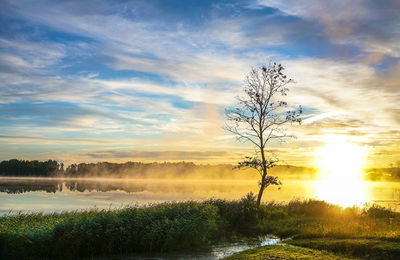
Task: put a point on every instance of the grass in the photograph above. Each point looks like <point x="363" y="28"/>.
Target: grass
<point x="160" y="228"/>
<point x="171" y="227"/>
<point x="166" y="227"/>
<point x="286" y="252"/>
<point x="318" y="219"/>
<point x="365" y="248"/>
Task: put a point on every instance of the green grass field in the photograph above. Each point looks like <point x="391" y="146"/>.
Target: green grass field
<point x="325" y="248"/>
<point x="287" y="252"/>
<point x="359" y="247"/>
<point x="173" y="227"/>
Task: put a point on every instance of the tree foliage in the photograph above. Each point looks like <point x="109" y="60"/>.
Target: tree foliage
<point x="24" y="168"/>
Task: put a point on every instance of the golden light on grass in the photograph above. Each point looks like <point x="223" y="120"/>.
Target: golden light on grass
<point x="340" y="164"/>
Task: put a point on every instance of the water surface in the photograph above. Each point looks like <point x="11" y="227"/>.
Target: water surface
<point x="57" y="194"/>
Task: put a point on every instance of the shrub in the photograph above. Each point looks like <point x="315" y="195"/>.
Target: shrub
<point x="313" y="208"/>
<point x="236" y="215"/>
<point x="376" y="211"/>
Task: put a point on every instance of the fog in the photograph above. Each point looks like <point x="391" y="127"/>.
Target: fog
<point x="181" y="170"/>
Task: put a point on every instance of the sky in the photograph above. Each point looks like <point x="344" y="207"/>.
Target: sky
<point x="88" y="81"/>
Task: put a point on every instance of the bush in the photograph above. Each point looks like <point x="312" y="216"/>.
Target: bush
<point x="376" y="211"/>
<point x="236" y="215"/>
<point x="313" y="208"/>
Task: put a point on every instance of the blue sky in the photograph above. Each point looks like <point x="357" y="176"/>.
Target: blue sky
<point x="122" y="80"/>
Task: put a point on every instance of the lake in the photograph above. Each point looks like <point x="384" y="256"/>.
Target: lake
<point x="58" y="194"/>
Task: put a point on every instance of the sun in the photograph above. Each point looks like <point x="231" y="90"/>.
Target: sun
<point x="340" y="166"/>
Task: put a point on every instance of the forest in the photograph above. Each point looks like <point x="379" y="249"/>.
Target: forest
<point x="24" y="168"/>
<point x="53" y="168"/>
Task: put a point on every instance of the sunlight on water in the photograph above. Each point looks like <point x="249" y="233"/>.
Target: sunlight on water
<point x="340" y="182"/>
<point x="49" y="194"/>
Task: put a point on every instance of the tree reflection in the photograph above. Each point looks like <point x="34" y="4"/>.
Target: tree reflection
<point x="53" y="186"/>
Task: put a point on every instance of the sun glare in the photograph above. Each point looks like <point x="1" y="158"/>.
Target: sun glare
<point x="340" y="164"/>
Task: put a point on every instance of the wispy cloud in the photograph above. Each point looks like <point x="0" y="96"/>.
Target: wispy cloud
<point x="154" y="75"/>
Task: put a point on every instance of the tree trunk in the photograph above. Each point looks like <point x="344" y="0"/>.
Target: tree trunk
<point x="262" y="186"/>
<point x="264" y="165"/>
<point x="260" y="193"/>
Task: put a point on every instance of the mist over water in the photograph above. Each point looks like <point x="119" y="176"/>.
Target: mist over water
<point x="60" y="194"/>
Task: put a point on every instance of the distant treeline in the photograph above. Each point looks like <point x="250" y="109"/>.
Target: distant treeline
<point x="34" y="168"/>
<point x="51" y="168"/>
<point x="383" y="174"/>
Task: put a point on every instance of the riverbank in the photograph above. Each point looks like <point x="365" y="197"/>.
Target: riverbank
<point x="325" y="248"/>
<point x="175" y="227"/>
<point x="288" y="252"/>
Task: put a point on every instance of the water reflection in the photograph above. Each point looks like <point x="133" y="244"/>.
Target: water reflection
<point x="53" y="185"/>
<point x="51" y="194"/>
<point x="17" y="186"/>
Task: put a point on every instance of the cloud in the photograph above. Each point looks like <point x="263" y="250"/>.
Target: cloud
<point x="23" y="139"/>
<point x="369" y="25"/>
<point x="160" y="155"/>
<point x="154" y="75"/>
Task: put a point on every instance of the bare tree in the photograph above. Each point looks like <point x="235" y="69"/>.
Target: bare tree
<point x="259" y="117"/>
